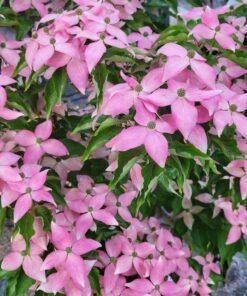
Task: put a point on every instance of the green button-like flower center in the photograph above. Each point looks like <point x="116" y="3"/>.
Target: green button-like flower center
<point x="90" y="209"/>
<point x="151" y="125"/>
<point x="35" y="35"/>
<point x="68" y="250"/>
<point x="181" y="92"/>
<point x="138" y="88"/>
<point x="156" y="287"/>
<point x="233" y="107"/>
<point x="223" y="68"/>
<point x="78" y="12"/>
<point x="38" y="141"/>
<point x="217" y="29"/>
<point x="191" y="54"/>
<point x="28" y="190"/>
<point x="134" y="254"/>
<point x="118" y="204"/>
<point x="107" y="20"/>
<point x="145" y="34"/>
<point x="113" y="260"/>
<point x="237" y="28"/>
<point x="52" y="41"/>
<point x="2" y="45"/>
<point x="88" y="191"/>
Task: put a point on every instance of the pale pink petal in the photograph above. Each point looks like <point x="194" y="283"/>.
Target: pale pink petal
<point x="243" y="187"/>
<point x="54" y="259"/>
<point x="152" y="80"/>
<point x="124" y="264"/>
<point x="241" y="123"/>
<point x="141" y="285"/>
<point x="225" y="41"/>
<point x="42" y="56"/>
<point x="32" y="268"/>
<point x="76" y="269"/>
<point x="8" y="114"/>
<point x="93" y="53"/>
<point x="104" y="217"/>
<point x="25" y="138"/>
<point x="157" y="147"/>
<point x="54" y="147"/>
<point x="206" y="73"/>
<point x="8" y="158"/>
<point x="12" y="261"/>
<point x="33" y="154"/>
<point x="83" y="223"/>
<point x="198" y="138"/>
<point x="172" y="49"/>
<point x="60" y="237"/>
<point x="233" y="235"/>
<point x="54" y="282"/>
<point x="43" y="130"/>
<point x="21" y="5"/>
<point x="221" y="120"/>
<point x="22" y="206"/>
<point x="84" y="246"/>
<point x="78" y="74"/>
<point x="174" y="66"/>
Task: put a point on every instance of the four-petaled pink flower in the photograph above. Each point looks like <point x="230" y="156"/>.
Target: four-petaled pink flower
<point x="38" y="143"/>
<point x="68" y="254"/>
<point x="208" y="265"/>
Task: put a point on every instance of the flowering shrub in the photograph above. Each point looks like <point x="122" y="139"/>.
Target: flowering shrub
<point x="143" y="191"/>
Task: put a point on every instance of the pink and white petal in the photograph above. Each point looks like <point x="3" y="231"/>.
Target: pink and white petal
<point x="12" y="261"/>
<point x="25" y="138"/>
<point x="76" y="269"/>
<point x="78" y="74"/>
<point x="243" y="187"/>
<point x="202" y="31"/>
<point x="240" y="122"/>
<point x="54" y="147"/>
<point x="143" y="116"/>
<point x="42" y="56"/>
<point x="84" y="246"/>
<point x="210" y="18"/>
<point x="152" y="80"/>
<point x="233" y="235"/>
<point x="172" y="49"/>
<point x="32" y="268"/>
<point x="221" y="120"/>
<point x="60" y="237"/>
<point x="31" y="50"/>
<point x="109" y="279"/>
<point x="8" y="158"/>
<point x="93" y="53"/>
<point x="206" y="73"/>
<point x="38" y="180"/>
<point x="225" y="41"/>
<point x="55" y="282"/>
<point x="21" y="5"/>
<point x="8" y="197"/>
<point x="8" y="114"/>
<point x="174" y="66"/>
<point x="141" y="285"/>
<point x="124" y="264"/>
<point x="129" y="138"/>
<point x="54" y="259"/>
<point x="33" y="154"/>
<point x="105" y="217"/>
<point x="83" y="223"/>
<point x="43" y="130"/>
<point x="22" y="206"/>
<point x="157" y="147"/>
<point x="198" y="138"/>
<point x="42" y="195"/>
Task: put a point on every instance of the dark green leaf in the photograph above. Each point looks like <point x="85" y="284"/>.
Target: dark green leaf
<point x="54" y="90"/>
<point x="46" y="215"/>
<point x="100" y="75"/>
<point x="85" y="123"/>
<point x="94" y="278"/>
<point x="74" y="148"/>
<point x="25" y="227"/>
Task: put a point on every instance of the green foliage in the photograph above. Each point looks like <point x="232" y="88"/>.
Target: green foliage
<point x="25" y="227"/>
<point x="99" y="76"/>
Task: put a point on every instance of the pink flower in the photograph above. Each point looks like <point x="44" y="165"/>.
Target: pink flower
<point x="29" y="259"/>
<point x="30" y="188"/>
<point x="207" y="264"/>
<point x="9" y="50"/>
<point x="20" y="5"/>
<point x="68" y="254"/>
<point x="238" y="168"/>
<point x="7" y="173"/>
<point x="210" y="28"/>
<point x="240" y="25"/>
<point x="134" y="255"/>
<point x="38" y="143"/>
<point x="145" y="38"/>
<point x="91" y="209"/>
<point x="238" y="221"/>
<point x="156" y="285"/>
<point x="178" y="59"/>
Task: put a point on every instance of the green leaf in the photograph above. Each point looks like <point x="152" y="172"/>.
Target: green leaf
<point x="85" y="123"/>
<point x="74" y="148"/>
<point x="126" y="161"/>
<point x="23" y="284"/>
<point x="94" y="277"/>
<point x="25" y="227"/>
<point x="46" y="216"/>
<point x="53" y="182"/>
<point x="100" y="75"/>
<point x="6" y="275"/>
<point x="227" y="146"/>
<point x="54" y="90"/>
<point x="34" y="76"/>
<point x="186" y="150"/>
<point x="100" y="139"/>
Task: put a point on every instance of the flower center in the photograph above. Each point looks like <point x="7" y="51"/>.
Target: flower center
<point x="118" y="204"/>
<point x="22" y="175"/>
<point x="237" y="28"/>
<point x="68" y="250"/>
<point x="223" y="68"/>
<point x="156" y="287"/>
<point x="28" y="190"/>
<point x="181" y="92"/>
<point x="52" y="41"/>
<point x="233" y="107"/>
<point x="138" y="88"/>
<point x="2" y="45"/>
<point x="190" y="278"/>
<point x="101" y="36"/>
<point x="150" y="257"/>
<point x="90" y="209"/>
<point x="113" y="260"/>
<point x="46" y="30"/>
<point x="38" y="141"/>
<point x="191" y="54"/>
<point x="162" y="253"/>
<point x="35" y="35"/>
<point x="217" y="29"/>
<point x="78" y="12"/>
<point x="107" y="20"/>
<point x="88" y="191"/>
<point x="134" y="254"/>
<point x="145" y="34"/>
<point x="151" y="125"/>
